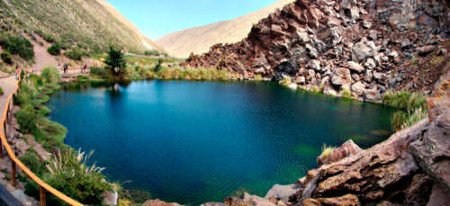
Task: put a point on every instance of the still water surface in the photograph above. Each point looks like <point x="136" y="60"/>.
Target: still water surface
<point x="193" y="142"/>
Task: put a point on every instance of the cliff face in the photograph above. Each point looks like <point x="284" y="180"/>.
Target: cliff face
<point x="364" y="47"/>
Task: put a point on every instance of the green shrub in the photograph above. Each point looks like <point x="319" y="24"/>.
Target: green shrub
<point x="32" y="160"/>
<point x="416" y="116"/>
<point x="54" y="50"/>
<point x="35" y="80"/>
<point x="50" y="133"/>
<point x="412" y="104"/>
<point x="50" y="75"/>
<point x="98" y="71"/>
<point x="152" y="53"/>
<point x="1" y="91"/>
<point x="68" y="172"/>
<point x="404" y="100"/>
<point x="27" y="118"/>
<point x="26" y="94"/>
<point x="6" y="57"/>
<point x="18" y="45"/>
<point x="43" y="110"/>
<point x="75" y="54"/>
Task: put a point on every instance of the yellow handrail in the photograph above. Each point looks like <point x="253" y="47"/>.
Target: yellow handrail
<point x="24" y="168"/>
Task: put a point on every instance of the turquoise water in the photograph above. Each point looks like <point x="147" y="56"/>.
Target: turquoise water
<point x="193" y="142"/>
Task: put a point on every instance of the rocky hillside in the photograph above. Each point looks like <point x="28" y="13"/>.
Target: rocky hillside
<point x="198" y="40"/>
<point x="89" y="25"/>
<point x="360" y="48"/>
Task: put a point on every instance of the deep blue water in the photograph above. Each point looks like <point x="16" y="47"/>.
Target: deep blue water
<point x="193" y="142"/>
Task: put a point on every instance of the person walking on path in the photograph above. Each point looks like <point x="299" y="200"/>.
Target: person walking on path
<point x="17" y="73"/>
<point x="65" y="67"/>
<point x="84" y="69"/>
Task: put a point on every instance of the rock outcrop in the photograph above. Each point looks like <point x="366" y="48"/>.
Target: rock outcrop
<point x="363" y="47"/>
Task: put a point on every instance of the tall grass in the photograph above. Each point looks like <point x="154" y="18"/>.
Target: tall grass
<point x="413" y="106"/>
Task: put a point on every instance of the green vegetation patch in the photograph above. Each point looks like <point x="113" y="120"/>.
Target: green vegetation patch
<point x="55" y="49"/>
<point x="17" y="45"/>
<point x="413" y="106"/>
<point x="6" y="57"/>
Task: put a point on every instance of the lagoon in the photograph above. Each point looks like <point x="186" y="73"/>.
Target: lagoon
<point x="194" y="142"/>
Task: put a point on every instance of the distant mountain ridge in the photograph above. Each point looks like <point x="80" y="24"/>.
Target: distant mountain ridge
<point x="87" y="24"/>
<point x="198" y="40"/>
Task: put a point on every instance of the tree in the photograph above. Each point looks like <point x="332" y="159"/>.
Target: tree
<point x="115" y="61"/>
<point x="158" y="66"/>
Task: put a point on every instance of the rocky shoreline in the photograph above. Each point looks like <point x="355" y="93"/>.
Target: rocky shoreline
<point x="412" y="167"/>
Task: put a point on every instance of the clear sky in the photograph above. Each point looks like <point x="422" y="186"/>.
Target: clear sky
<point x="156" y="18"/>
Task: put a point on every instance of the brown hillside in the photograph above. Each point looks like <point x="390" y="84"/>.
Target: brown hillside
<point x="198" y="40"/>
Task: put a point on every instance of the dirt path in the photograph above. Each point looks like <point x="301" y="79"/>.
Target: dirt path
<point x="42" y="58"/>
<point x="9" y="85"/>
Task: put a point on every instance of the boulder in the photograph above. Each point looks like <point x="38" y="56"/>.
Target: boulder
<point x="158" y="202"/>
<point x="315" y="65"/>
<point x="346" y="200"/>
<point x="303" y="37"/>
<point x="347" y="149"/>
<point x="363" y="50"/>
<point x="382" y="172"/>
<point x="356" y="67"/>
<point x="341" y="76"/>
<point x="425" y="50"/>
<point x="370" y="63"/>
<point x="372" y="95"/>
<point x="368" y="76"/>
<point x="110" y="198"/>
<point x="439" y="196"/>
<point x="432" y="150"/>
<point x="358" y="88"/>
<point x="282" y="192"/>
<point x="213" y="204"/>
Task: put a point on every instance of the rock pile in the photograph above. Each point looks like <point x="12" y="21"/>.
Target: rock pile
<point x="338" y="47"/>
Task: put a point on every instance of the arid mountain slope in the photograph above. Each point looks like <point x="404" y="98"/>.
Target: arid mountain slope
<point x="87" y="24"/>
<point x="342" y="48"/>
<point x="198" y="40"/>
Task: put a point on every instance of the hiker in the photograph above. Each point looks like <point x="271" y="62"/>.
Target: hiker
<point x="17" y="73"/>
<point x="65" y="67"/>
<point x="83" y="70"/>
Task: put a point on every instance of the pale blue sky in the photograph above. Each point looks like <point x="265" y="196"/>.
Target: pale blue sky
<point x="156" y="18"/>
